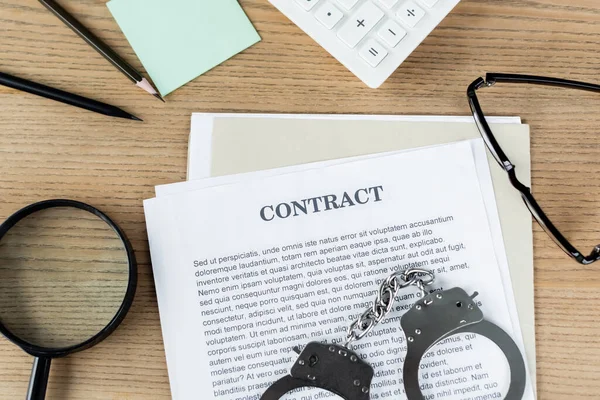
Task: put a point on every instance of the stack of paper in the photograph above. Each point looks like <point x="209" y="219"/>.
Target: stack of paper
<point x="248" y="266"/>
<point x="222" y="144"/>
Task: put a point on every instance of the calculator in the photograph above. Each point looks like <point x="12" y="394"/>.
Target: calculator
<point x="369" y="37"/>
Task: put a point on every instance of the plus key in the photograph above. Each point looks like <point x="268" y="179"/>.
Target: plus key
<point x="361" y="23"/>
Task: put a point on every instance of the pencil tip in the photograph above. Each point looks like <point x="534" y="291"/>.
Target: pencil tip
<point x="158" y="96"/>
<point x="133" y="117"/>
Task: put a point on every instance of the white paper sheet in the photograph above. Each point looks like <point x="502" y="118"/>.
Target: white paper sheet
<point x="178" y="234"/>
<point x="484" y="179"/>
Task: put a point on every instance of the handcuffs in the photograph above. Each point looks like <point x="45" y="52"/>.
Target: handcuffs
<point x="431" y="319"/>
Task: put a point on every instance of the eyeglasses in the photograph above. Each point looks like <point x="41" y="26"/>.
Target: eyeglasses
<point x="504" y="161"/>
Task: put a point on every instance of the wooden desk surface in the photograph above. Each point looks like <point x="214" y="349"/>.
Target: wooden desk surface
<point x="48" y="150"/>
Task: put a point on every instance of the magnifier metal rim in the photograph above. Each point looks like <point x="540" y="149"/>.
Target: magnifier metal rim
<point x="39" y="351"/>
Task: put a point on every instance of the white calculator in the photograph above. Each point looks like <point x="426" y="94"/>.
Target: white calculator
<point x="370" y="37"/>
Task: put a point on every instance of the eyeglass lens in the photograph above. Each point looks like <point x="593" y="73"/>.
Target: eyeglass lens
<point x="549" y="212"/>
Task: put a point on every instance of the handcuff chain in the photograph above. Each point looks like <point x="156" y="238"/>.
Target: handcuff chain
<point x="385" y="298"/>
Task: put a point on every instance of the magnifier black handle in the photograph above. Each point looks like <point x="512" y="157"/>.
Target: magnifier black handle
<point x="39" y="379"/>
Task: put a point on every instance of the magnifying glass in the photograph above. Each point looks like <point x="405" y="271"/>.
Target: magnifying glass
<point x="67" y="279"/>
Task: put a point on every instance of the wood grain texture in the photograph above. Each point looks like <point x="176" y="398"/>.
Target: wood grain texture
<point x="63" y="276"/>
<point x="50" y="150"/>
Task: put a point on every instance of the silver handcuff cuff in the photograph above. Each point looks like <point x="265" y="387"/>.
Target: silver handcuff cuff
<point x="431" y="319"/>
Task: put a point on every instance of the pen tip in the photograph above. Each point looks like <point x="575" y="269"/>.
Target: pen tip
<point x="133" y="117"/>
<point x="158" y="96"/>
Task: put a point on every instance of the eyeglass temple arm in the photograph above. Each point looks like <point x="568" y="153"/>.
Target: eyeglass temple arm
<point x="483" y="125"/>
<point x="492" y="78"/>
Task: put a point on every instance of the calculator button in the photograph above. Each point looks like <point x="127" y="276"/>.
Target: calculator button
<point x="391" y="33"/>
<point x="373" y="53"/>
<point x="388" y="3"/>
<point x="329" y="15"/>
<point x="430" y="3"/>
<point x="410" y="13"/>
<point x="348" y="4"/>
<point x="307" y="4"/>
<point x="361" y="23"/>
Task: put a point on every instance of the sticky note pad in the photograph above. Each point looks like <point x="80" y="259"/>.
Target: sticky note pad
<point x="178" y="40"/>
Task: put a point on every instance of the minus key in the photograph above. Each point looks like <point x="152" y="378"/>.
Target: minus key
<point x="391" y="33"/>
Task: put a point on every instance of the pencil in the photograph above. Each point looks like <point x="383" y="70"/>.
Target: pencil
<point x="63" y="97"/>
<point x="101" y="47"/>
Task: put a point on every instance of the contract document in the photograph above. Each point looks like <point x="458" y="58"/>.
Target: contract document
<point x="247" y="270"/>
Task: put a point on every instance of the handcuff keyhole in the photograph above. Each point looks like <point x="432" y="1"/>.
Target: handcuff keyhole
<point x="459" y="304"/>
<point x="313" y="360"/>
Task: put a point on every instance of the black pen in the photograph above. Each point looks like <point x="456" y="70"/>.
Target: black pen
<point x="64" y="97"/>
<point x="101" y="47"/>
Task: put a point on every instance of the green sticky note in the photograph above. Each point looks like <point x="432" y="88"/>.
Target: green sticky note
<point x="178" y="40"/>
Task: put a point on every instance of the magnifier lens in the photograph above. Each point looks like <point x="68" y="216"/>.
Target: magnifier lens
<point x="63" y="276"/>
